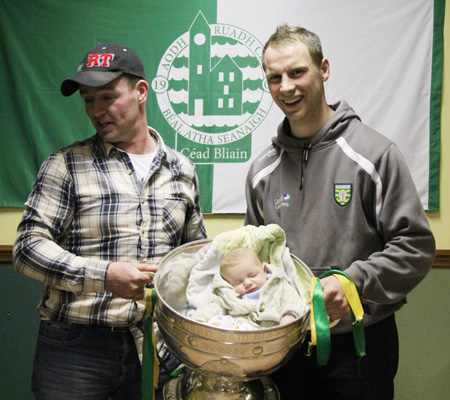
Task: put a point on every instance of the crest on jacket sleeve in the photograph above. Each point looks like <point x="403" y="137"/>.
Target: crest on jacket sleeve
<point x="342" y="193"/>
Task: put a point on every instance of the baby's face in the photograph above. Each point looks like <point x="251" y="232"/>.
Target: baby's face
<point x="246" y="277"/>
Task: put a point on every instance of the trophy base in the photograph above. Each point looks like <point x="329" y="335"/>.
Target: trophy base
<point x="194" y="386"/>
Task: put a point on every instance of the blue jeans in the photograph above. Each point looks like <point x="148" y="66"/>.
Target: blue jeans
<point x="85" y="363"/>
<point x="344" y="377"/>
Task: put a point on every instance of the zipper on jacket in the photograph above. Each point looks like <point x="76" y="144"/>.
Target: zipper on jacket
<point x="304" y="163"/>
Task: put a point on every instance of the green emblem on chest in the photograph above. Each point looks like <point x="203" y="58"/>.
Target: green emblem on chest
<point x="342" y="193"/>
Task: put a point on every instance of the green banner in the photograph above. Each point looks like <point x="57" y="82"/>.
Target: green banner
<point x="208" y="98"/>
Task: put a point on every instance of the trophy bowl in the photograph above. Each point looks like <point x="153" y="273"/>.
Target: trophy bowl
<point x="221" y="363"/>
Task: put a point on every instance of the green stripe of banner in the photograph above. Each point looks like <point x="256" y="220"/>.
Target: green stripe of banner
<point x="435" y="105"/>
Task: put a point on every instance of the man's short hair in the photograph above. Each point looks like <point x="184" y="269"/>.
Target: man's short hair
<point x="286" y="34"/>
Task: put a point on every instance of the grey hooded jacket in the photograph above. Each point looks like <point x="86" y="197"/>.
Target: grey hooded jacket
<point x="346" y="200"/>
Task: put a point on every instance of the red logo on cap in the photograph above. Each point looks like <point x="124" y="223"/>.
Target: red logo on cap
<point x="99" y="60"/>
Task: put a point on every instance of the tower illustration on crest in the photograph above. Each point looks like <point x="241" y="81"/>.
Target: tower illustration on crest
<point x="213" y="89"/>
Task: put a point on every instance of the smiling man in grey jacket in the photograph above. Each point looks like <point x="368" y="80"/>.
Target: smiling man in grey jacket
<point x="345" y="198"/>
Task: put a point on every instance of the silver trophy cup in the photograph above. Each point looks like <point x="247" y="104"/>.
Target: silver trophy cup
<point x="222" y="363"/>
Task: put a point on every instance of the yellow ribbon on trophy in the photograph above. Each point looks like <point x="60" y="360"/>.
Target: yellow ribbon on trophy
<point x="150" y="366"/>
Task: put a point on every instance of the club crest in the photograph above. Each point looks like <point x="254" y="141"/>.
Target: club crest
<point x="211" y="89"/>
<point x="342" y="193"/>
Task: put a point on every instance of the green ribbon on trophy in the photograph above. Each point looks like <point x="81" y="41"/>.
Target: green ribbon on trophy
<point x="151" y="362"/>
<point x="320" y="328"/>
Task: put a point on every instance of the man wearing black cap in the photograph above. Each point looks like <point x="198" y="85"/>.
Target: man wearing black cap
<point x="101" y="214"/>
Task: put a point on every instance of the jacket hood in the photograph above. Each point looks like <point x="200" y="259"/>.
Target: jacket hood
<point x="343" y="116"/>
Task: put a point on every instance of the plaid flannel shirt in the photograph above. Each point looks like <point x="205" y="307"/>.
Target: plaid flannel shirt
<point x="87" y="208"/>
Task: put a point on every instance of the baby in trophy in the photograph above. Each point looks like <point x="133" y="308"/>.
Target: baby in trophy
<point x="249" y="294"/>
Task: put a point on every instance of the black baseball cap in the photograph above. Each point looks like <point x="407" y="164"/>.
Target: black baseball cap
<point x="101" y="65"/>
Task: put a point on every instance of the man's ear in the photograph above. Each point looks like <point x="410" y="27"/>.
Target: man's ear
<point x="142" y="88"/>
<point x="325" y="70"/>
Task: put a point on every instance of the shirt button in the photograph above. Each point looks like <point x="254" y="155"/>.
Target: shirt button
<point x="130" y="171"/>
<point x="261" y="307"/>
